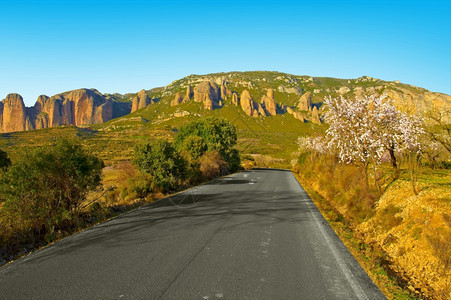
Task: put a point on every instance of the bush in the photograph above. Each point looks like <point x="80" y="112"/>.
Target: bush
<point x="215" y="135"/>
<point x="44" y="188"/>
<point x="212" y="165"/>
<point x="162" y="162"/>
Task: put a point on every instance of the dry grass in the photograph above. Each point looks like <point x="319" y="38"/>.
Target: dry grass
<point x="408" y="235"/>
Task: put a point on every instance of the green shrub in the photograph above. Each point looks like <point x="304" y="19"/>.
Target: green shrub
<point x="215" y="135"/>
<point x="162" y="162"/>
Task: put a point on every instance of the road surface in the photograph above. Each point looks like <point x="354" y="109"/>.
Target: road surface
<point x="251" y="235"/>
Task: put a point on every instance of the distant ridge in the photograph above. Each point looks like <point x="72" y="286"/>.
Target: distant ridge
<point x="257" y="93"/>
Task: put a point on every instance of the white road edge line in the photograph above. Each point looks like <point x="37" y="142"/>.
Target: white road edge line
<point x="360" y="293"/>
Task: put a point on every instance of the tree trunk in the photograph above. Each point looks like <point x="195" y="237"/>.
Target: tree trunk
<point x="394" y="163"/>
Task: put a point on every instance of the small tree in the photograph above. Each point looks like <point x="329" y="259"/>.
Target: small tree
<point x="162" y="162"/>
<point x="362" y="130"/>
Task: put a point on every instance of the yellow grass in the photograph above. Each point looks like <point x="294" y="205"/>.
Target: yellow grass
<point x="410" y="234"/>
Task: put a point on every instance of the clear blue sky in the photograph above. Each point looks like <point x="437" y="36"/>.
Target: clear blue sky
<point x="48" y="47"/>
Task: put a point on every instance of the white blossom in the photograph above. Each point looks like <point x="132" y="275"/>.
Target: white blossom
<point x="363" y="129"/>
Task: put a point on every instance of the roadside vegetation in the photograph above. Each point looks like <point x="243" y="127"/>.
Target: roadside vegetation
<point x="42" y="192"/>
<point x="382" y="180"/>
<point x="49" y="192"/>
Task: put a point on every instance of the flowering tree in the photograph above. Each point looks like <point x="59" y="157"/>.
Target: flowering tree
<point x="364" y="129"/>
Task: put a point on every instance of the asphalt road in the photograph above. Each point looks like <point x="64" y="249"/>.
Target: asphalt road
<point x="251" y="235"/>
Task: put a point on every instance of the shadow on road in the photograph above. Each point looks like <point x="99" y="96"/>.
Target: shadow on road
<point x="181" y="213"/>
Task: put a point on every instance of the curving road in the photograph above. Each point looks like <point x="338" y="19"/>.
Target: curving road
<point x="251" y="235"/>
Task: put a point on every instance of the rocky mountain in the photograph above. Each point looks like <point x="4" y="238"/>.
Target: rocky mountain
<point x="78" y="107"/>
<point x="300" y="97"/>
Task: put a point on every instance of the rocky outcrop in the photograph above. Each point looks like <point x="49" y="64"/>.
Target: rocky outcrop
<point x="299" y="116"/>
<point x="248" y="105"/>
<point x="83" y="107"/>
<point x="177" y="100"/>
<point x="140" y="101"/>
<point x="296" y="114"/>
<point x="413" y="103"/>
<point x="78" y="107"/>
<point x="87" y="106"/>
<point x="358" y="92"/>
<point x="235" y="100"/>
<point x="269" y="103"/>
<point x="305" y="102"/>
<point x="225" y="92"/>
<point x="343" y="90"/>
<point x="315" y="116"/>
<point x="261" y="111"/>
<point x="179" y="114"/>
<point x="290" y="90"/>
<point x="188" y="94"/>
<point x="14" y="114"/>
<point x="135" y="104"/>
<point x="144" y="99"/>
<point x="207" y="93"/>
